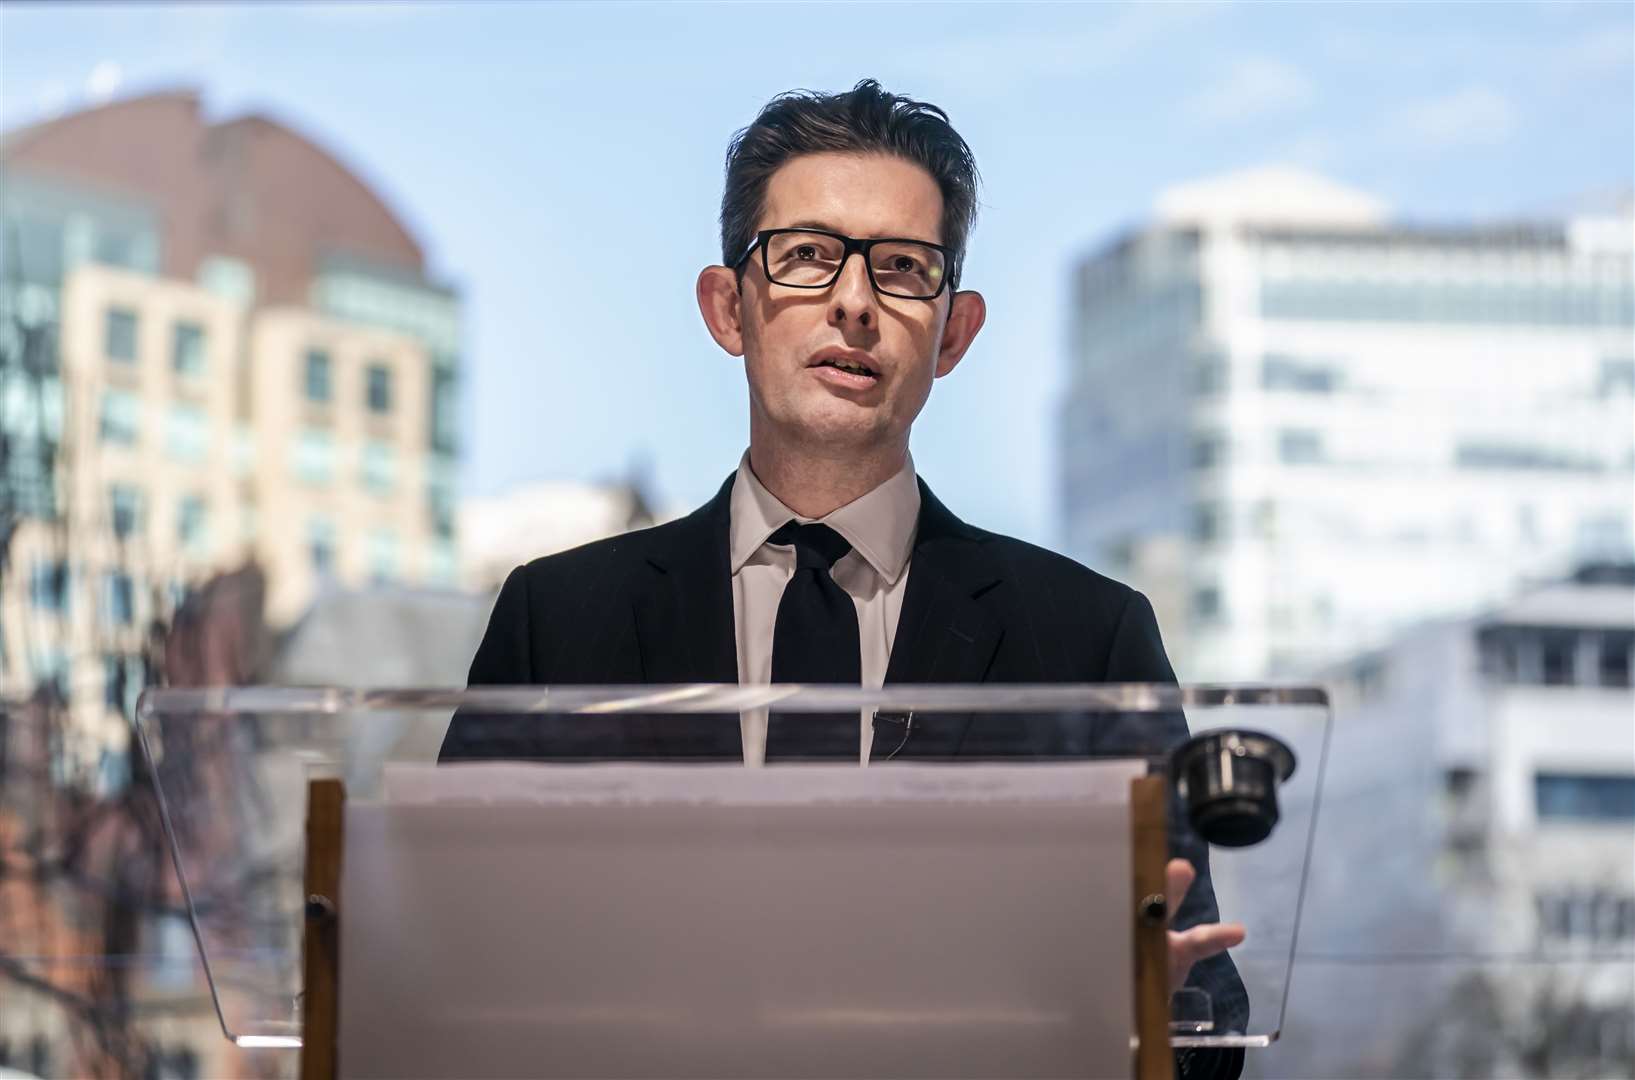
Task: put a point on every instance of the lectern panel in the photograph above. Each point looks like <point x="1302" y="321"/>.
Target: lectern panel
<point x="233" y="766"/>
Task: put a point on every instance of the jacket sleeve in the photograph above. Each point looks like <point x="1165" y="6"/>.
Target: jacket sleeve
<point x="1136" y="654"/>
<point x="502" y="659"/>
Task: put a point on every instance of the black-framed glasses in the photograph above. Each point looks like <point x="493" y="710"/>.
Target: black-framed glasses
<point x="814" y="258"/>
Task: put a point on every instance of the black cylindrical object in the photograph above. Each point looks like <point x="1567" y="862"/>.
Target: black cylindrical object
<point x="1228" y="780"/>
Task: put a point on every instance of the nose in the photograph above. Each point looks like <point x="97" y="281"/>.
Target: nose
<point x="853" y="298"/>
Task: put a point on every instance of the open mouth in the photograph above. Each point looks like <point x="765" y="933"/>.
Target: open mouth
<point x="855" y="368"/>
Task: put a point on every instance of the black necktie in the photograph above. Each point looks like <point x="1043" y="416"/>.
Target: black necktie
<point x="815" y="640"/>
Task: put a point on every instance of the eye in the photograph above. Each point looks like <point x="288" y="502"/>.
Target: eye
<point x="806" y="251"/>
<point x="904" y="265"/>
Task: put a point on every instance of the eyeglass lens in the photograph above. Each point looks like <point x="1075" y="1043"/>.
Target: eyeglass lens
<point x="812" y="260"/>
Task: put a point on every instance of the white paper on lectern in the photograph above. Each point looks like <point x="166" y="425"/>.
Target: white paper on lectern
<point x="505" y="920"/>
<point x="618" y="784"/>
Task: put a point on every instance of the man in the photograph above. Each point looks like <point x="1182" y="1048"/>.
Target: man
<point x="823" y="558"/>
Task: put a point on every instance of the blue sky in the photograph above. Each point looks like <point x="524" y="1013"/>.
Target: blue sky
<point x="562" y="165"/>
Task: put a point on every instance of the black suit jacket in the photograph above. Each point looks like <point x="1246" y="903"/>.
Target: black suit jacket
<point x="655" y="606"/>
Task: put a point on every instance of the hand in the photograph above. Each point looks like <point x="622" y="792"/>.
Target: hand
<point x="1187" y="947"/>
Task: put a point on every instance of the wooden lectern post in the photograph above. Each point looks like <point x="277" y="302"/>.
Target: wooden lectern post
<point x="1149" y="925"/>
<point x="1149" y="851"/>
<point x="321" y="944"/>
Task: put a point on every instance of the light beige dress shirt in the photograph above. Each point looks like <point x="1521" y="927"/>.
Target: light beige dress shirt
<point x="880" y="527"/>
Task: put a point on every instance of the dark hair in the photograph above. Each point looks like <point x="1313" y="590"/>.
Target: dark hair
<point x="865" y="119"/>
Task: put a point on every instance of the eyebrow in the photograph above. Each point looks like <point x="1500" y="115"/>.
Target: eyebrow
<point x="813" y="223"/>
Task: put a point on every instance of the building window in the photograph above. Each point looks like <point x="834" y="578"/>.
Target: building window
<point x="120" y="338"/>
<point x="122" y="680"/>
<point x="118" y="421"/>
<point x="1208" y="449"/>
<point x="191" y="524"/>
<point x="1532" y="303"/>
<point x="318" y="376"/>
<point x="442" y="566"/>
<point x="169" y="939"/>
<point x="1604" y="537"/>
<point x="440" y="507"/>
<point x="113" y="682"/>
<point x="1500" y="653"/>
<point x="444" y="401"/>
<point x="1299" y="376"/>
<point x="187" y="437"/>
<point x="1488" y="454"/>
<point x="321" y="545"/>
<point x="1299" y="446"/>
<point x="124" y="511"/>
<point x="51" y="672"/>
<point x="1588" y="915"/>
<point x="1459" y="782"/>
<point x="119" y="601"/>
<point x="1207" y="524"/>
<point x="1206" y="602"/>
<point x="1615" y="659"/>
<point x="314" y="457"/>
<point x="383" y="545"/>
<point x="229" y="278"/>
<point x="1584" y="797"/>
<point x="187" y="349"/>
<point x="1557" y="657"/>
<point x="48" y="586"/>
<point x="379" y="388"/>
<point x="1210" y="376"/>
<point x="379" y="467"/>
<point x="1617" y="377"/>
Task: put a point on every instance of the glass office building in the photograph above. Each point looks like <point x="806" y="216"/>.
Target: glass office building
<point x="1301" y="425"/>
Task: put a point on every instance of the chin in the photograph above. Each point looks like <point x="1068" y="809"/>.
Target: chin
<point x="846" y="427"/>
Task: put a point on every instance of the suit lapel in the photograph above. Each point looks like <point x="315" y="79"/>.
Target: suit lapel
<point x="684" y="618"/>
<point x="684" y="631"/>
<point x="683" y="614"/>
<point x="943" y="634"/>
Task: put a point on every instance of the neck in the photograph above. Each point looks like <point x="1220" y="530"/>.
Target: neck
<point x="813" y="484"/>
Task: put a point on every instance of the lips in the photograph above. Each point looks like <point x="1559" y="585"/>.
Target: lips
<point x="856" y="364"/>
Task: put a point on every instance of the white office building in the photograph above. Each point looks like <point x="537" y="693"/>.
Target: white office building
<point x="1471" y="905"/>
<point x="1301" y="424"/>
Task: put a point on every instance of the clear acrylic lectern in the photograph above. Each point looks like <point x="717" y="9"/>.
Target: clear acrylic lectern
<point x="665" y="902"/>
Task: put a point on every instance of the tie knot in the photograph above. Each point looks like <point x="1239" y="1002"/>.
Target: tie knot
<point x="815" y="545"/>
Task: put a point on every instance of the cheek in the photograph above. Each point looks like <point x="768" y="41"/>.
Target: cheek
<point x="916" y="389"/>
<point x="768" y="382"/>
<point x="775" y="338"/>
<point x="922" y="337"/>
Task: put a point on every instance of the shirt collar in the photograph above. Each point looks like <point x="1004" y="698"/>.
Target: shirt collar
<point x="879" y="525"/>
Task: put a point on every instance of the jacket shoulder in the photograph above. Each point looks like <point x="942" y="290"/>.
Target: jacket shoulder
<point x="1096" y="628"/>
<point x="563" y="569"/>
<point x="1034" y="567"/>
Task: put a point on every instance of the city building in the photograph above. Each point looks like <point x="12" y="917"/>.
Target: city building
<point x="1302" y="425"/>
<point x="1471" y="904"/>
<point x="500" y="533"/>
<point x="219" y="346"/>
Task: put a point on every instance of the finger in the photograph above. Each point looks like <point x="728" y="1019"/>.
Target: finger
<point x="1202" y="942"/>
<point x="1187" y="947"/>
<point x="1178" y="878"/>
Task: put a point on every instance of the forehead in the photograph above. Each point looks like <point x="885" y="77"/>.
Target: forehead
<point x="857" y="194"/>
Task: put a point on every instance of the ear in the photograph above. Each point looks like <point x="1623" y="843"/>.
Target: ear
<point x="720" y="304"/>
<point x="967" y="311"/>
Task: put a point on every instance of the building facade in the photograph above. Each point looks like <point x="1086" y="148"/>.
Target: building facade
<point x="218" y="347"/>
<point x="1471" y="904"/>
<point x="502" y="532"/>
<point x="1301" y="426"/>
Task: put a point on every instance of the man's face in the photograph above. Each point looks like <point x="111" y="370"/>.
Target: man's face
<point x="785" y="333"/>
